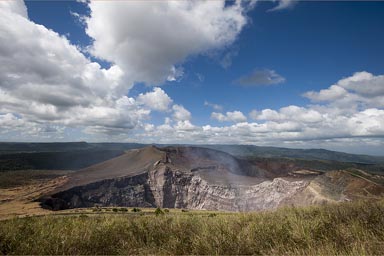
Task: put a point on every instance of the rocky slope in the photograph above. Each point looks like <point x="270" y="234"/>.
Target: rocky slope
<point x="194" y="178"/>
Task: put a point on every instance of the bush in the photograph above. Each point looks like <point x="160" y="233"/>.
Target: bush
<point x="158" y="211"/>
<point x="115" y="210"/>
<point x="136" y="210"/>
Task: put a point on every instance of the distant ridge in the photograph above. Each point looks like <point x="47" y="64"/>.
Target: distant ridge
<point x="77" y="155"/>
<point x="308" y="154"/>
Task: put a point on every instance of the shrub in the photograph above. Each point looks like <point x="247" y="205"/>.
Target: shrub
<point x="136" y="210"/>
<point x="158" y="211"/>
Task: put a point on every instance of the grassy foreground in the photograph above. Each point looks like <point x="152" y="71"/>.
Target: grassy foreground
<point x="351" y="228"/>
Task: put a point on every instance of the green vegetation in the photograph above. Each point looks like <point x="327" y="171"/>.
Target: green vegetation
<point x="158" y="211"/>
<point x="350" y="228"/>
<point x="305" y="154"/>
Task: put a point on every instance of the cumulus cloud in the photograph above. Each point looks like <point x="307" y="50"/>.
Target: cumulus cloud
<point x="332" y="93"/>
<point x="235" y="116"/>
<point x="355" y="128"/>
<point x="48" y="86"/>
<point x="147" y="39"/>
<point x="155" y="100"/>
<point x="16" y="128"/>
<point x="260" y="77"/>
<point x="47" y="81"/>
<point x="15" y="6"/>
<point x="180" y="113"/>
<point x="362" y="89"/>
<point x="322" y="125"/>
<point x="290" y="113"/>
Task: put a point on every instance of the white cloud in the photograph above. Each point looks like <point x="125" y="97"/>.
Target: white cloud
<point x="290" y="113"/>
<point x="175" y="74"/>
<point x="47" y="81"/>
<point x="16" y="128"/>
<point x="185" y="125"/>
<point x="155" y="100"/>
<point x="369" y="122"/>
<point x="326" y="125"/>
<point x="235" y="116"/>
<point x="332" y="93"/>
<point x="15" y="7"/>
<point x="180" y="113"/>
<point x="362" y="89"/>
<point x="364" y="83"/>
<point x="48" y="86"/>
<point x="147" y="39"/>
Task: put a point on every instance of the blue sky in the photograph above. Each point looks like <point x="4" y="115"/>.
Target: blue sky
<point x="249" y="74"/>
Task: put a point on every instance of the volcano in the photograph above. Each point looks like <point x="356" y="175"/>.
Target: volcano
<point x="202" y="178"/>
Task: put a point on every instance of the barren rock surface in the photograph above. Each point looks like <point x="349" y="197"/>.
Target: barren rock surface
<point x="195" y="178"/>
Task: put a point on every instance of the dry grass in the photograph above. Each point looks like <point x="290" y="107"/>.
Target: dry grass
<point x="351" y="228"/>
<point x="11" y="179"/>
<point x="22" y="188"/>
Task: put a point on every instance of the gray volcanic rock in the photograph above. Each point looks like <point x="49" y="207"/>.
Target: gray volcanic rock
<point x="184" y="177"/>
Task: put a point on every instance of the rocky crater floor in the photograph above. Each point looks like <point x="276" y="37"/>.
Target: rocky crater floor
<point x="200" y="178"/>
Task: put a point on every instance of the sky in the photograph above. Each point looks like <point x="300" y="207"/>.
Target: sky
<point x="300" y="74"/>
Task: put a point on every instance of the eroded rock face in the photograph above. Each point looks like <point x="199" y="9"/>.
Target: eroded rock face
<point x="265" y="195"/>
<point x="165" y="187"/>
<point x="198" y="178"/>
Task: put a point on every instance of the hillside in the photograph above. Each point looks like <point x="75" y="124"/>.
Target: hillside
<point x="78" y="155"/>
<point x="307" y="154"/>
<point x="201" y="178"/>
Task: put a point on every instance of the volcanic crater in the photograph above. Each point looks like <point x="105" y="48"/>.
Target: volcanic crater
<point x="201" y="178"/>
